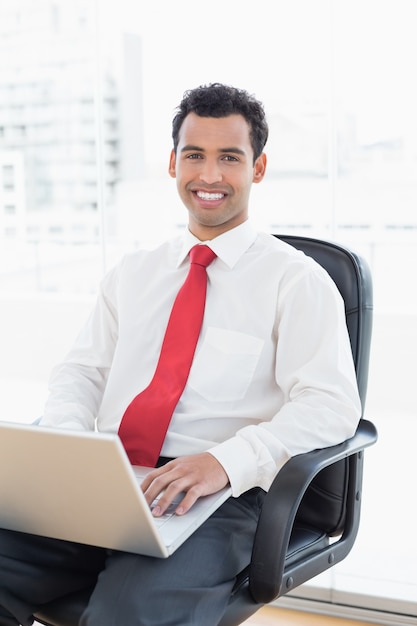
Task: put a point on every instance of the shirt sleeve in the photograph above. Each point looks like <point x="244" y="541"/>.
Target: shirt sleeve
<point x="76" y="386"/>
<point x="315" y="371"/>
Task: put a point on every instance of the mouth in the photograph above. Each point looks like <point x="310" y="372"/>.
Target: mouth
<point x="205" y="195"/>
<point x="209" y="198"/>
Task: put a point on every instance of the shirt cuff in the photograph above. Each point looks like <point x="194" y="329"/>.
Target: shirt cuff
<point x="242" y="475"/>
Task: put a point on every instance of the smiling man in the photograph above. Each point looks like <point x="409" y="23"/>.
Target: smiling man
<point x="271" y="376"/>
<point x="215" y="165"/>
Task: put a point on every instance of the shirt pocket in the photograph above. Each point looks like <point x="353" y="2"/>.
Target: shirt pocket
<point x="224" y="364"/>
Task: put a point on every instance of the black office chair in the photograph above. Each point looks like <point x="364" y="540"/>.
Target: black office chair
<point x="310" y="516"/>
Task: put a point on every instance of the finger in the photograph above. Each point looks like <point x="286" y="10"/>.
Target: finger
<point x="171" y="494"/>
<point x="155" y="483"/>
<point x="187" y="502"/>
<point x="165" y="487"/>
<point x="149" y="478"/>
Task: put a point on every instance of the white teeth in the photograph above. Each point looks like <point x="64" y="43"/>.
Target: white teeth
<point x="204" y="195"/>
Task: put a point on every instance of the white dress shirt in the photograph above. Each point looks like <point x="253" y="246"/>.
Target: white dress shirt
<point x="272" y="375"/>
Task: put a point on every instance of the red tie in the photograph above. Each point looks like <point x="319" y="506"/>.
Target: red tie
<point x="146" y="419"/>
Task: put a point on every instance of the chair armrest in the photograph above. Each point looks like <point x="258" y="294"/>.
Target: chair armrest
<point x="280" y="508"/>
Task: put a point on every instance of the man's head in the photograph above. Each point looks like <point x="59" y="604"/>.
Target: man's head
<point x="219" y="133"/>
<point x="217" y="100"/>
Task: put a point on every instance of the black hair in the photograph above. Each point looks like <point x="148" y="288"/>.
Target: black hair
<point x="218" y="100"/>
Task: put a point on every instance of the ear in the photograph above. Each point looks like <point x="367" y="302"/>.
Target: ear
<point x="259" y="168"/>
<point x="172" y="165"/>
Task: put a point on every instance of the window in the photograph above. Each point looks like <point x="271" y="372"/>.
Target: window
<point x="91" y="155"/>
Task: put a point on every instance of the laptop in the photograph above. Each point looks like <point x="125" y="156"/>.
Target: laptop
<point x="80" y="486"/>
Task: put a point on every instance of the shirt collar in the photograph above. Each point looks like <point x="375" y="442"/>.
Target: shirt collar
<point x="229" y="247"/>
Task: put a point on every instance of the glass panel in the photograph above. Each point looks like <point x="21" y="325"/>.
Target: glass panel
<point x="50" y="246"/>
<point x="376" y="199"/>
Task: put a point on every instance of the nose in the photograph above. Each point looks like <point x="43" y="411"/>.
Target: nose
<point x="210" y="172"/>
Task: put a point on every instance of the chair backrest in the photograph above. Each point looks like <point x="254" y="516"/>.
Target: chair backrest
<point x="324" y="503"/>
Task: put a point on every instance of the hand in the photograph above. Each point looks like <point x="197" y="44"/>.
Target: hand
<point x="198" y="475"/>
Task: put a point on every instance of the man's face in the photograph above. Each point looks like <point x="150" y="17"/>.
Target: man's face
<point x="214" y="169"/>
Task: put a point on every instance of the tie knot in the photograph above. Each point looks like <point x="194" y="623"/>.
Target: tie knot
<point x="202" y="255"/>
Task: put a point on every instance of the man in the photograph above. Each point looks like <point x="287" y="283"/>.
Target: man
<point x="272" y="377"/>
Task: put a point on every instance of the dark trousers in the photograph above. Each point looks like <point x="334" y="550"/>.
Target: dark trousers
<point x="191" y="587"/>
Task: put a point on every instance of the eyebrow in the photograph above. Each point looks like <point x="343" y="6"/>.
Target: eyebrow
<point x="232" y="150"/>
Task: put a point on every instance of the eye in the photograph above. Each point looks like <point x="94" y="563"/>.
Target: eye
<point x="194" y="155"/>
<point x="230" y="158"/>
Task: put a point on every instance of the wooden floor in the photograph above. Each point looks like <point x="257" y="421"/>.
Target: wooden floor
<point x="271" y="616"/>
